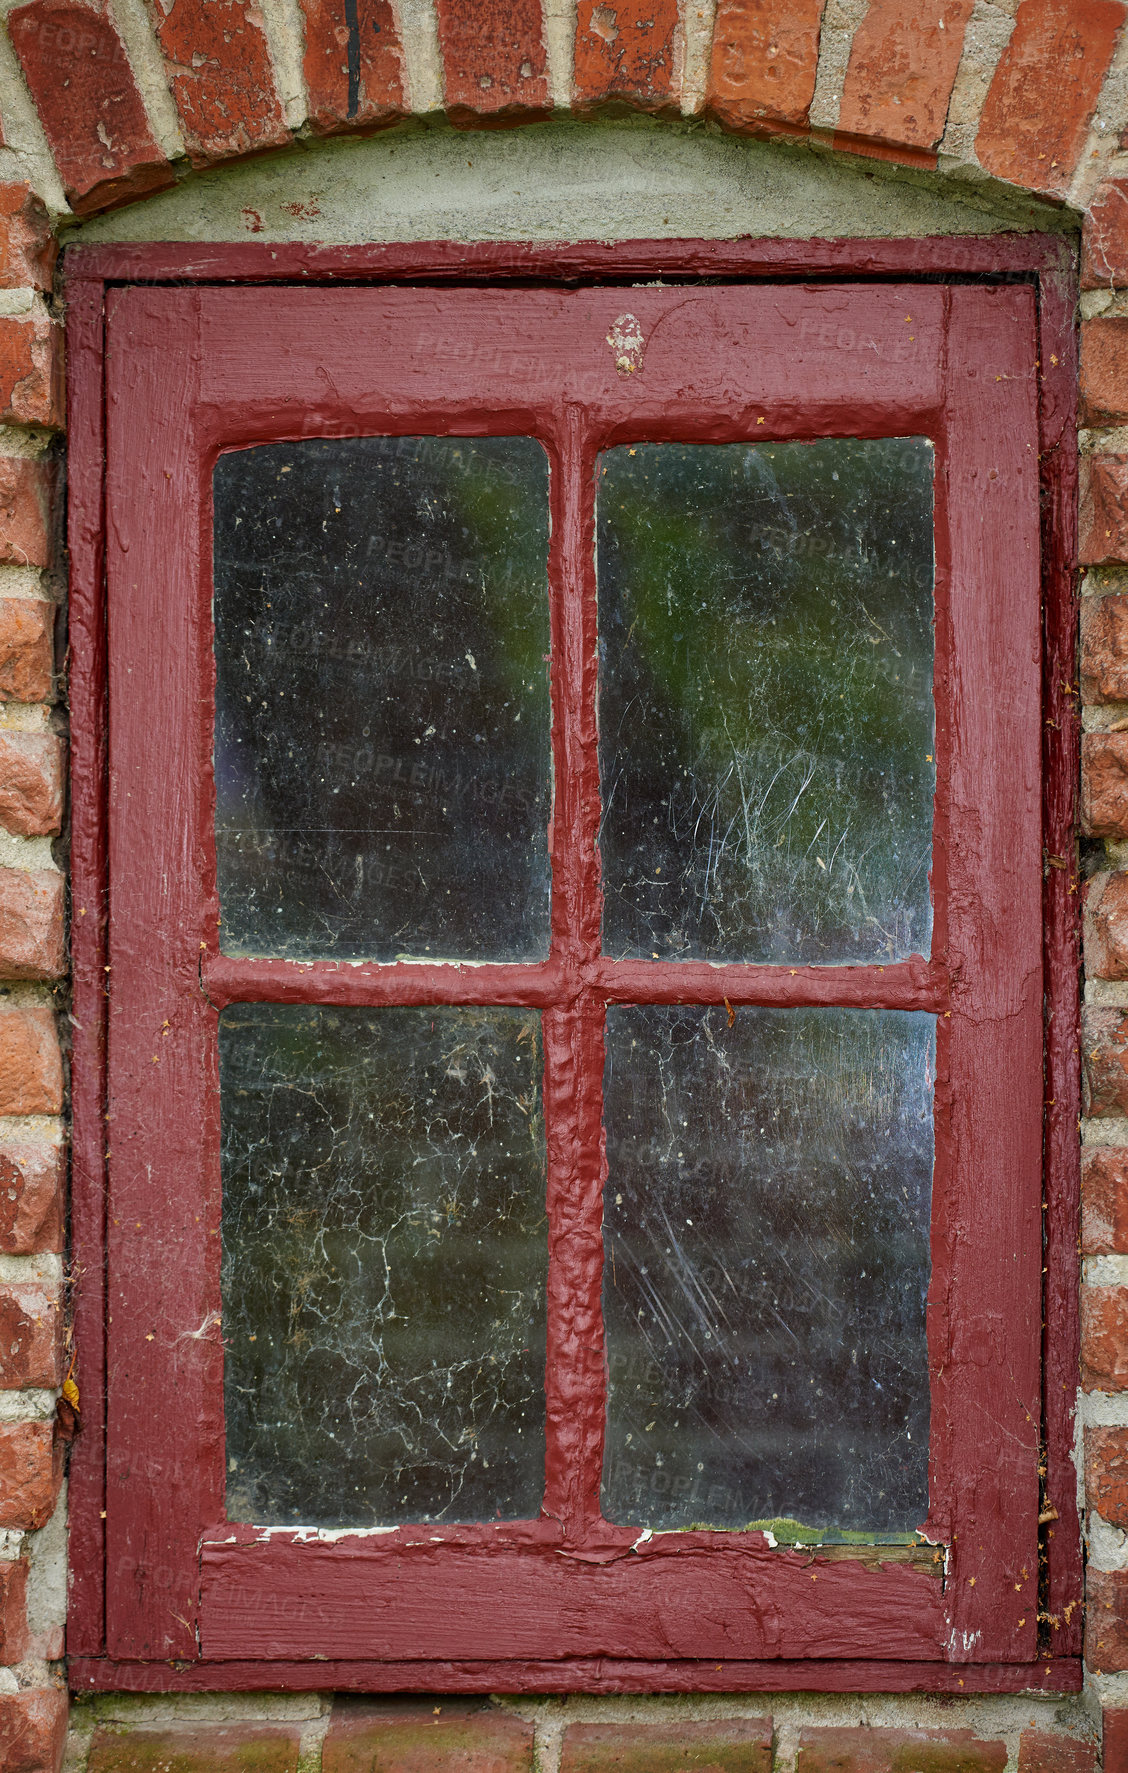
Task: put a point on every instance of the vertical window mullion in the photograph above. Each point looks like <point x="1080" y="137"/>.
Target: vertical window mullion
<point x="576" y="807"/>
<point x="573" y="1031"/>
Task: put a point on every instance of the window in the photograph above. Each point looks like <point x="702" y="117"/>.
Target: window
<point x="575" y="1054"/>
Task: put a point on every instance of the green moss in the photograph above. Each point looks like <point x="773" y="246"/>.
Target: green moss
<point x="787" y="1531"/>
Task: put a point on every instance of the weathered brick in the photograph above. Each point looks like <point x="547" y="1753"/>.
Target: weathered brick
<point x="764" y="63"/>
<point x="1104" y="1338"/>
<point x="33" y="1731"/>
<point x="1106" y="1473"/>
<point x="495" y="66"/>
<point x="352" y="79"/>
<point x="624" y="54"/>
<point x="422" y="1739"/>
<point x="1104" y="371"/>
<point x="31" y="923"/>
<point x="1104" y="784"/>
<point x="1104" y="510"/>
<point x="88" y="103"/>
<point x="1106" y="926"/>
<point x="28" y="243"/>
<point x="219" y="68"/>
<point x="728" y="1745"/>
<point x="31" y="1471"/>
<point x="902" y="68"/>
<point x="30" y="1336"/>
<point x="13" y="1611"/>
<point x="1104" y="1200"/>
<point x="835" y="1750"/>
<point x="197" y="1748"/>
<point x="1104" y="648"/>
<point x="31" y="372"/>
<point x="1106" y="1620"/>
<point x="1045" y="90"/>
<point x="1044" y="1751"/>
<point x="27" y="626"/>
<point x="31" y="1067"/>
<point x="1104" y="1061"/>
<point x="31" y="1197"/>
<point x="26" y="518"/>
<point x="1114" y="1747"/>
<point x="1104" y="237"/>
<point x="31" y="783"/>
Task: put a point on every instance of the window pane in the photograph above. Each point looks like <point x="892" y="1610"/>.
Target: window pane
<point x="767" y="1258"/>
<point x="765" y="705"/>
<point x="382" y="718"/>
<point x="384" y="1259"/>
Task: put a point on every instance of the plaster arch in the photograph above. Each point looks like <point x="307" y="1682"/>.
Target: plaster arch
<point x="107" y="101"/>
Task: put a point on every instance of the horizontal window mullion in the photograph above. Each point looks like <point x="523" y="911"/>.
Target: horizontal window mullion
<point x="226" y="980"/>
<point x="908" y="985"/>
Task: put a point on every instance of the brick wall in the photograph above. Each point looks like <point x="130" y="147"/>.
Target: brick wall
<point x="103" y="102"/>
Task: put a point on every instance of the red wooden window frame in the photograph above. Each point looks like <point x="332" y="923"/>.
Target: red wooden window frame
<point x="167" y="1594"/>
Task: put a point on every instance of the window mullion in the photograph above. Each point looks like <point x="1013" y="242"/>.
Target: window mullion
<point x="575" y="819"/>
<point x="575" y="1363"/>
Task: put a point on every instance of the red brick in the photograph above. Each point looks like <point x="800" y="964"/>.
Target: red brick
<point x="1104" y="784"/>
<point x="31" y="1197"/>
<point x="31" y="783"/>
<point x="335" y="102"/>
<point x="1104" y="1061"/>
<point x="495" y="66"/>
<point x="31" y="1470"/>
<point x="31" y="923"/>
<point x="13" y="1611"/>
<point x="1106" y="1473"/>
<point x="199" y="1748"/>
<point x="902" y="68"/>
<point x="764" y="62"/>
<point x="1104" y="238"/>
<point x="33" y="1731"/>
<point x="88" y="103"/>
<point x="425" y="1738"/>
<point x="31" y="1067"/>
<point x="898" y="1751"/>
<point x="1106" y="926"/>
<point x="1045" y="90"/>
<point x="31" y="1336"/>
<point x="1044" y="1751"/>
<point x="27" y="651"/>
<point x="730" y="1745"/>
<point x="1114" y="1749"/>
<point x="31" y="372"/>
<point x="1104" y="371"/>
<point x="28" y="243"/>
<point x="1104" y="1338"/>
<point x="1104" y="1200"/>
<point x="26" y="516"/>
<point x="1104" y="648"/>
<point x="1106" y="1620"/>
<point x="1104" y="509"/>
<point x="624" y="54"/>
<point x="218" y="63"/>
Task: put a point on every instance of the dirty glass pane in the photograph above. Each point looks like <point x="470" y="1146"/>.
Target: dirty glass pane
<point x="384" y="1258"/>
<point x="765" y="704"/>
<point x="382" y="718"/>
<point x="767" y="1257"/>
